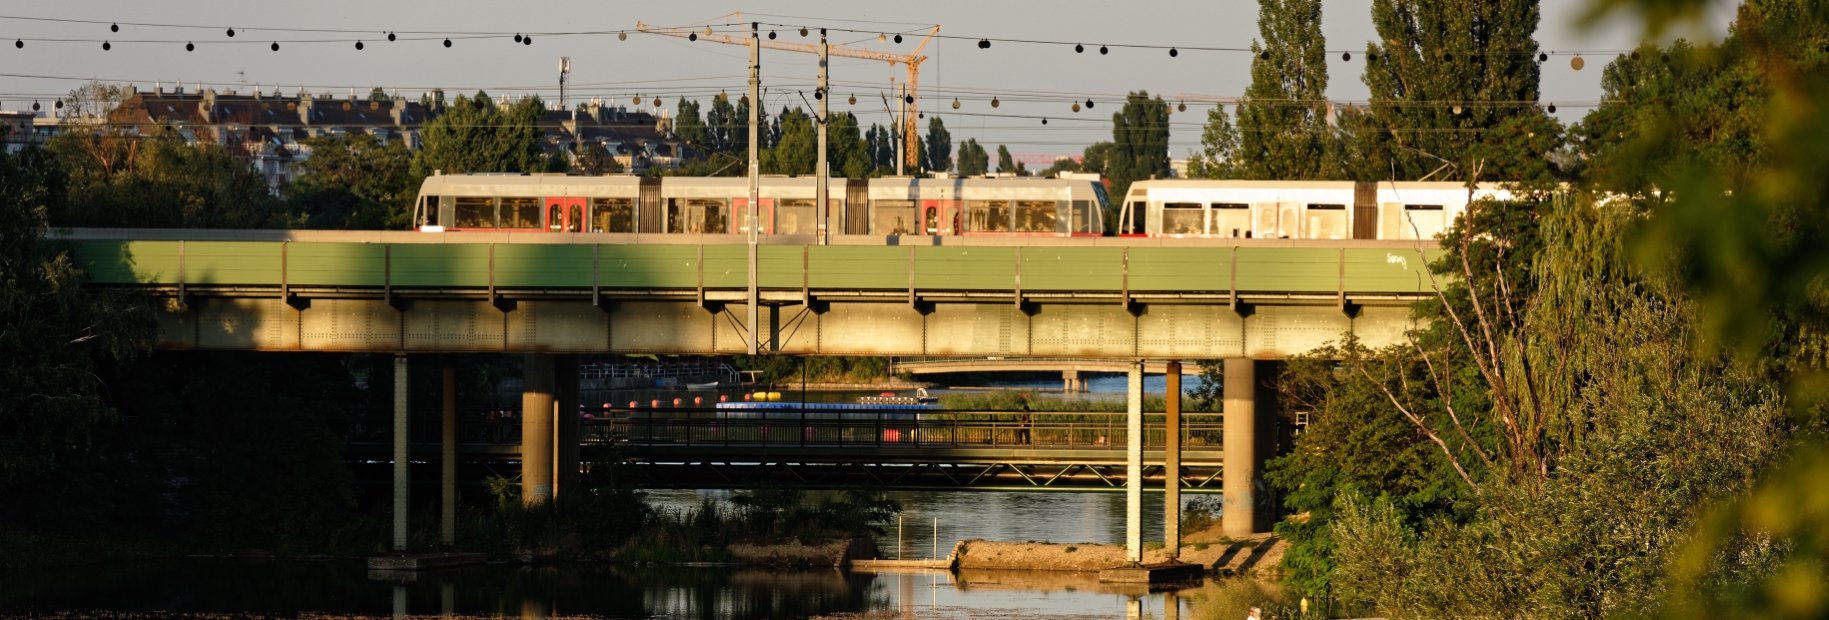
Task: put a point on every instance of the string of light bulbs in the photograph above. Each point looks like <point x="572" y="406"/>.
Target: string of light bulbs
<point x="525" y="38"/>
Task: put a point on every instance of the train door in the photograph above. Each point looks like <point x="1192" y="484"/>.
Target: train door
<point x="742" y="214"/>
<point x="564" y="214"/>
<point x="942" y="217"/>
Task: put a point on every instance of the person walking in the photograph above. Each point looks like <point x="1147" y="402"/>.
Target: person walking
<point x="1022" y="430"/>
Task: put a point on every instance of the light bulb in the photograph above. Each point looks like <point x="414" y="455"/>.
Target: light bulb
<point x="880" y="37"/>
<point x="1079" y="49"/>
<point x="1076" y="106"/>
<point x="1173" y="52"/>
<point x="955" y="103"/>
<point x="188" y="47"/>
<point x="1346" y="56"/>
<point x="447" y="43"/>
<point x="390" y="36"/>
<point x="853" y="100"/>
<point x="358" y="46"/>
<point x="898" y="38"/>
<point x="231" y="33"/>
<point x="275" y="46"/>
<point x="107" y="46"/>
<point x="622" y="36"/>
<point x="994" y="102"/>
<point x="1577" y="62"/>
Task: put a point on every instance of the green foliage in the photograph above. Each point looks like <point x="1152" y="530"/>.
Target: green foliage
<point x="1578" y="519"/>
<point x="474" y="135"/>
<point x="353" y="181"/>
<point x="1431" y="56"/>
<point x="117" y="180"/>
<point x="796" y="147"/>
<point x="1217" y="158"/>
<point x="1006" y="163"/>
<point x="1282" y="120"/>
<point x="55" y="337"/>
<point x="847" y="154"/>
<point x="690" y="128"/>
<point x="1140" y="142"/>
<point x="973" y="160"/>
<point x="1200" y="513"/>
<point x="938" y="149"/>
<point x="790" y="370"/>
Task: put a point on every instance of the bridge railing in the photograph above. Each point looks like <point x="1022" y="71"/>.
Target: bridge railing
<point x="891" y="429"/>
<point x="688" y="427"/>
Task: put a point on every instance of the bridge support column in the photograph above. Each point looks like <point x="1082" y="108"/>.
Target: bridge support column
<point x="1133" y="475"/>
<point x="448" y="464"/>
<point x="402" y="479"/>
<point x="536" y="429"/>
<point x="570" y="429"/>
<point x="1171" y="465"/>
<point x="1072" y="380"/>
<point x="1239" y="514"/>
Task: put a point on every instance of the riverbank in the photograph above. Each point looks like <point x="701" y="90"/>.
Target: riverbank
<point x="1259" y="553"/>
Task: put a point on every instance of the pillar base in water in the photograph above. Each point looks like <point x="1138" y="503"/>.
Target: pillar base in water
<point x="1153" y="573"/>
<point x="424" y="561"/>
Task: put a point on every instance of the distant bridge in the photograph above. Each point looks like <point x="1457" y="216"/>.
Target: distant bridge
<point x="935" y="450"/>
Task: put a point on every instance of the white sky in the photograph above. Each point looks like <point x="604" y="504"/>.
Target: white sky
<point x="604" y="66"/>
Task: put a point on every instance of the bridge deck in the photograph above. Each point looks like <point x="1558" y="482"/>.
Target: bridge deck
<point x="456" y="292"/>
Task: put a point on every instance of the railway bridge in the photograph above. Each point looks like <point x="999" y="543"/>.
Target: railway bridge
<point x="552" y="296"/>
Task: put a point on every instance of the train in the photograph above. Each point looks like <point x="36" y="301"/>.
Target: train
<point x="1074" y="205"/>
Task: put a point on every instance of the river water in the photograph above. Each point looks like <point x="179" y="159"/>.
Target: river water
<point x="931" y="523"/>
<point x="217" y="587"/>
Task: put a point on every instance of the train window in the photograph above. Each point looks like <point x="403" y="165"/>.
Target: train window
<point x="1039" y="216"/>
<point x="988" y="216"/>
<point x="893" y="217"/>
<point x="1080" y="221"/>
<point x="794" y="217"/>
<point x="1326" y="221"/>
<point x="698" y="216"/>
<point x="613" y="215"/>
<point x="428" y="209"/>
<point x="1183" y="218"/>
<point x="1230" y="219"/>
<point x="518" y="212"/>
<point x="474" y="212"/>
<point x="1422" y="221"/>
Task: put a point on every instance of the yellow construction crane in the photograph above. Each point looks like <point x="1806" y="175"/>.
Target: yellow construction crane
<point x="911" y="138"/>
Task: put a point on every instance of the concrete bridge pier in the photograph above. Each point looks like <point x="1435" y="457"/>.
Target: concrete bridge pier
<point x="402" y="481"/>
<point x="569" y="427"/>
<point x="1133" y="475"/>
<point x="1171" y="465"/>
<point x="448" y="464"/>
<point x="1249" y="436"/>
<point x="1072" y="382"/>
<point x="537" y="428"/>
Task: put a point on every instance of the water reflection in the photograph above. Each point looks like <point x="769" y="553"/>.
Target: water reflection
<point x="1062" y="517"/>
<point x="217" y="586"/>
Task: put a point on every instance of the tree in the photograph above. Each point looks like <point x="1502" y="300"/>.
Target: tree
<point x="1005" y="163"/>
<point x="1443" y="74"/>
<point x="938" y="148"/>
<point x="1094" y="158"/>
<point x="1218" y="148"/>
<point x="1282" y="120"/>
<point x="93" y="101"/>
<point x="597" y="160"/>
<point x="54" y="335"/>
<point x="352" y="181"/>
<point x="377" y="94"/>
<point x="474" y="136"/>
<point x="797" y="148"/>
<point x="690" y="129"/>
<point x="973" y="160"/>
<point x="1140" y="142"/>
<point x="120" y="180"/>
<point x="847" y="153"/>
<point x="882" y="147"/>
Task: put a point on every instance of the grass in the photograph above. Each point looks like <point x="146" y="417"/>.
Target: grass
<point x="1229" y="599"/>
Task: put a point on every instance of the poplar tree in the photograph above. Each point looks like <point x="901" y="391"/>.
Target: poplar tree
<point x="938" y="149"/>
<point x="1218" y="155"/>
<point x="1005" y="163"/>
<point x="1443" y="74"/>
<point x="1282" y="121"/>
<point x="690" y="128"/>
<point x="1140" y="142"/>
<point x="973" y="160"/>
